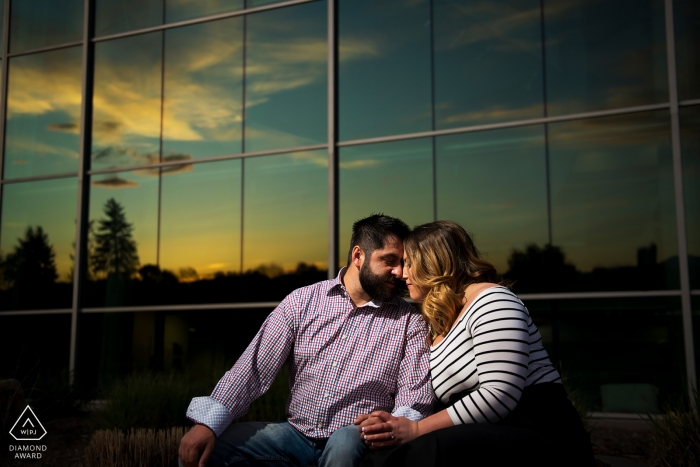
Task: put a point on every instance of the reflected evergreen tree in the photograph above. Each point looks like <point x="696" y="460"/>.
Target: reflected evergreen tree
<point x="540" y="269"/>
<point x="113" y="253"/>
<point x="30" y="270"/>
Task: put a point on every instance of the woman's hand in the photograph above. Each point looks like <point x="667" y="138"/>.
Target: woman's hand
<point x="389" y="430"/>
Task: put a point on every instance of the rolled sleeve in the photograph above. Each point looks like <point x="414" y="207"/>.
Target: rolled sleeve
<point x="209" y="412"/>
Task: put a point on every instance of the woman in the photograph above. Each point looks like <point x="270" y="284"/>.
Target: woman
<point x="502" y="400"/>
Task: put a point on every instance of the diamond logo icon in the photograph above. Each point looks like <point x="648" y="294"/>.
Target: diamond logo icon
<point x="28" y="427"/>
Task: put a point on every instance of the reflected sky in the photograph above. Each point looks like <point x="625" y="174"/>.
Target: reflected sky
<point x="115" y="16"/>
<point x="384" y="68"/>
<point x="201" y="219"/>
<point x="285" y="217"/>
<point x="137" y="193"/>
<point x="41" y="23"/>
<point x="603" y="54"/>
<point x="202" y="107"/>
<point x="687" y="28"/>
<point x="50" y="204"/>
<point x="612" y="189"/>
<point x="43" y="113"/>
<point x="488" y="62"/>
<point x="392" y="178"/>
<point x="181" y="10"/>
<point x="127" y="101"/>
<point x="286" y="77"/>
<point x="494" y="184"/>
<point x="690" y="154"/>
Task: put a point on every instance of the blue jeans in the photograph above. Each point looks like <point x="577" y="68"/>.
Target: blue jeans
<point x="281" y="445"/>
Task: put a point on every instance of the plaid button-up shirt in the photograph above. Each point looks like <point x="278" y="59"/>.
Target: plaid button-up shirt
<point x="343" y="361"/>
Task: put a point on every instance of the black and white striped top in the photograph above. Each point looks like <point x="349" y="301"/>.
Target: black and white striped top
<point x="492" y="353"/>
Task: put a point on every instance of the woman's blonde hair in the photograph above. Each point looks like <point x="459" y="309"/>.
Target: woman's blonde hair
<point x="444" y="261"/>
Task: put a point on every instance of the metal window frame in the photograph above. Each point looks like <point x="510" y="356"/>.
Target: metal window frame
<point x="332" y="146"/>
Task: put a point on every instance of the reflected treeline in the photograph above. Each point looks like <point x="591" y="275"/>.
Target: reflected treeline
<point x="28" y="275"/>
<point x="545" y="269"/>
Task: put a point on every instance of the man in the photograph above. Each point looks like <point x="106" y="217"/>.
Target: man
<point x="353" y="347"/>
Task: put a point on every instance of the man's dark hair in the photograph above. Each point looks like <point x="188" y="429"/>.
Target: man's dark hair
<point x="369" y="233"/>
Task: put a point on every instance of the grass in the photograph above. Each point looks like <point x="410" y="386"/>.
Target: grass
<point x="135" y="448"/>
<point x="676" y="434"/>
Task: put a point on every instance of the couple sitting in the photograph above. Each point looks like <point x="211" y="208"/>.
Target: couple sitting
<point x="365" y="368"/>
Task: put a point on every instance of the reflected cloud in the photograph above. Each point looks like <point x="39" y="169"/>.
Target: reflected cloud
<point x="71" y="127"/>
<point x="499" y="113"/>
<point x="19" y="162"/>
<point x="114" y="182"/>
<point x="35" y="147"/>
<point x="360" y="164"/>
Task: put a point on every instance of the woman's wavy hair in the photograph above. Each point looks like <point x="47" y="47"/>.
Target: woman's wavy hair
<point x="444" y="261"/>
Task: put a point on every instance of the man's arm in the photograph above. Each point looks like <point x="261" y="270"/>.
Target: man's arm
<point x="247" y="380"/>
<point x="415" y="397"/>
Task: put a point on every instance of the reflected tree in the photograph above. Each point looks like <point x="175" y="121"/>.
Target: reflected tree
<point x="540" y="269"/>
<point x="30" y="269"/>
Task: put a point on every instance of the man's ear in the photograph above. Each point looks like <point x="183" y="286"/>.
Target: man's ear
<point x="357" y="256"/>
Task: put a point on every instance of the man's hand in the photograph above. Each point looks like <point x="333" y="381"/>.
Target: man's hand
<point x="389" y="431"/>
<point x="196" y="446"/>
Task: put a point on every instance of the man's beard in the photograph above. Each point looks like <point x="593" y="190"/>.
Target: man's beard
<point x="375" y="285"/>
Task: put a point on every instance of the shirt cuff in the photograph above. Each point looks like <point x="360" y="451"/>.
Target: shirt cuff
<point x="407" y="412"/>
<point x="209" y="412"/>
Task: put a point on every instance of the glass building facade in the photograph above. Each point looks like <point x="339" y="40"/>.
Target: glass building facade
<point x="171" y="169"/>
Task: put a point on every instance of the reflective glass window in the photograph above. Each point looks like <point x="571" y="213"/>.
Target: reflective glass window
<point x="115" y="16"/>
<point x="602" y="55"/>
<point x="393" y="178"/>
<point x="36" y="351"/>
<point x="488" y="62"/>
<point x="256" y="3"/>
<point x="286" y="77"/>
<point x="127" y="101"/>
<point x="690" y="155"/>
<point x="42" y="23"/>
<point x="37" y="242"/>
<point x="200" y="233"/>
<point x="203" y="90"/>
<point x="686" y="25"/>
<point x="285" y="222"/>
<point x="384" y="68"/>
<point x="43" y="113"/>
<point x="122" y="246"/>
<point x="494" y="184"/>
<point x="182" y="10"/>
<point x="613" y="210"/>
<point x="616" y="355"/>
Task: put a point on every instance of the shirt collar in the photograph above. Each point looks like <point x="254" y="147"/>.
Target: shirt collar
<point x="337" y="284"/>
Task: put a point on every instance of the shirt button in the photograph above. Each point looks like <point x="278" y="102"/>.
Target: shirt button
<point x="325" y="395"/>
<point x="319" y="425"/>
<point x="344" y="337"/>
<point x="335" y="364"/>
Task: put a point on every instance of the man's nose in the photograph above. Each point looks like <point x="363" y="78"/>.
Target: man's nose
<point x="398" y="271"/>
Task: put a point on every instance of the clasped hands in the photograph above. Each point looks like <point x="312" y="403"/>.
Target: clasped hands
<point x="380" y="429"/>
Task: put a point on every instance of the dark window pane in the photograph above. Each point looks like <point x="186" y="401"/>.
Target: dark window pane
<point x="494" y="184"/>
<point x="205" y="343"/>
<point x="619" y="354"/>
<point x="41" y="23"/>
<point x="603" y="54"/>
<point x="127" y="101"/>
<point x="35" y="351"/>
<point x="43" y="113"/>
<point x="613" y="210"/>
<point x="384" y="68"/>
<point x="37" y="244"/>
<point x="115" y="16"/>
<point x="203" y="92"/>
<point x="285" y="220"/>
<point x="392" y="178"/>
<point x="200" y="233"/>
<point x="256" y="3"/>
<point x="488" y="62"/>
<point x="687" y="28"/>
<point x="690" y="152"/>
<point x="286" y="78"/>
<point x="181" y="10"/>
<point x="122" y="245"/>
